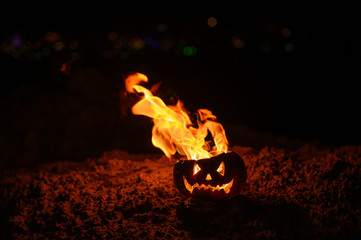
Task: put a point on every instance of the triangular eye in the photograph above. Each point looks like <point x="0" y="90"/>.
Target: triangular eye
<point x="221" y="168"/>
<point x="196" y="169"/>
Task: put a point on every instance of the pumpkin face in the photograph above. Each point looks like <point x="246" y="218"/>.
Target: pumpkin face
<point x="215" y="178"/>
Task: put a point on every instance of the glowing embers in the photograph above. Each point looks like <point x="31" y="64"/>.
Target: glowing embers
<point x="225" y="187"/>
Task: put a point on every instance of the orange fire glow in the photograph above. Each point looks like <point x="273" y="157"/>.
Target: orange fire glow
<point x="173" y="130"/>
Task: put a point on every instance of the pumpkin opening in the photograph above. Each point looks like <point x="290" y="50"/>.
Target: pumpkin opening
<point x="224" y="187"/>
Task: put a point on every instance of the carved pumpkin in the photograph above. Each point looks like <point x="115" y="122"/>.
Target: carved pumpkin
<point x="215" y="178"/>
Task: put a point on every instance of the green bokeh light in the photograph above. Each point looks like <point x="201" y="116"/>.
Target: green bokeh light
<point x="189" y="50"/>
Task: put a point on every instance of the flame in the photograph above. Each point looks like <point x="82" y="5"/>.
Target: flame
<point x="173" y="130"/>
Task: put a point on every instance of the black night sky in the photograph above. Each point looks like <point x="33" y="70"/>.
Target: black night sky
<point x="265" y="79"/>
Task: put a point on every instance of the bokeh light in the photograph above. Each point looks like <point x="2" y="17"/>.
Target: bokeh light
<point x="52" y="36"/>
<point x="155" y="45"/>
<point x="112" y="36"/>
<point x="212" y="21"/>
<point x="16" y="53"/>
<point x="190" y="51"/>
<point x="118" y="44"/>
<point x="286" y="32"/>
<point x="58" y="46"/>
<point x="75" y="54"/>
<point x="73" y="44"/>
<point x="136" y="43"/>
<point x="46" y="52"/>
<point x="237" y="42"/>
<point x="124" y="55"/>
<point x="161" y="27"/>
<point x="266" y="47"/>
<point x="168" y="43"/>
<point x="289" y="47"/>
<point x="16" y="41"/>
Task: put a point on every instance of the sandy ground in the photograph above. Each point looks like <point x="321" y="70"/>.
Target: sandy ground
<point x="302" y="194"/>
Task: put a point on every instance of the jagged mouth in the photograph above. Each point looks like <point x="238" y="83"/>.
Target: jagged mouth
<point x="225" y="187"/>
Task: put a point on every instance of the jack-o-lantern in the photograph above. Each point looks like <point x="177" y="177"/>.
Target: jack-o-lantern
<point x="215" y="178"/>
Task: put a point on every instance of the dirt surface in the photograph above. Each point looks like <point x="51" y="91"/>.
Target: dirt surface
<point x="302" y="194"/>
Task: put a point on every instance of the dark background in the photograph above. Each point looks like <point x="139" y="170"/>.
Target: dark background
<point x="277" y="81"/>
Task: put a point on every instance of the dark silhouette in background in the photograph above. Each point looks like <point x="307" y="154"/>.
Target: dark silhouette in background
<point x="280" y="82"/>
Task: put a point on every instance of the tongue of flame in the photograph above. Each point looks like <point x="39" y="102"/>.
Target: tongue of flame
<point x="173" y="130"/>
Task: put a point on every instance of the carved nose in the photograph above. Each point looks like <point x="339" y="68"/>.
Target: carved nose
<point x="208" y="177"/>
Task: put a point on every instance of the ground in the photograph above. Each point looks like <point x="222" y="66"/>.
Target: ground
<point x="306" y="193"/>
